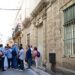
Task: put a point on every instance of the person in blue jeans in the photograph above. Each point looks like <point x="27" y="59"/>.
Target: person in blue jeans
<point x="15" y="56"/>
<point x="29" y="57"/>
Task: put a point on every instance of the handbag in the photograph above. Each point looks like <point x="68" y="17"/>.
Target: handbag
<point x="5" y="63"/>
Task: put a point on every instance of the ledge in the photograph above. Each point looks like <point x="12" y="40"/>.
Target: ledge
<point x="39" y="7"/>
<point x="26" y="21"/>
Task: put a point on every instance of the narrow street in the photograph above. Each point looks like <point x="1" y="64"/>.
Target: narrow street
<point x="17" y="72"/>
<point x="37" y="37"/>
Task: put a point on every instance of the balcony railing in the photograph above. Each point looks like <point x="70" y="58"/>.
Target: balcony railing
<point x="26" y="22"/>
<point x="17" y="31"/>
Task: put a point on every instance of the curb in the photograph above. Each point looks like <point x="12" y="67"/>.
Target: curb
<point x="39" y="71"/>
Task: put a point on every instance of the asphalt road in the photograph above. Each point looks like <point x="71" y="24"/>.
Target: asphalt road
<point x="16" y="72"/>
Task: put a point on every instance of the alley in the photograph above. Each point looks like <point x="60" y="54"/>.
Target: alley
<point x="16" y="72"/>
<point x="37" y="37"/>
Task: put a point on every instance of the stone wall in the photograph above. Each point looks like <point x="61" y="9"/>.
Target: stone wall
<point x="55" y="32"/>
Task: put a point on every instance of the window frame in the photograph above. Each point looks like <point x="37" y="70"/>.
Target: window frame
<point x="72" y="41"/>
<point x="28" y="39"/>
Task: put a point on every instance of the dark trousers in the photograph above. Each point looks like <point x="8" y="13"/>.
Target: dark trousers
<point x="9" y="62"/>
<point x="18" y="62"/>
<point x="2" y="63"/>
<point x="14" y="62"/>
<point x="21" y="63"/>
<point x="29" y="62"/>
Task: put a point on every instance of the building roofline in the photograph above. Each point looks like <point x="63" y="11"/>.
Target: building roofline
<point x="39" y="7"/>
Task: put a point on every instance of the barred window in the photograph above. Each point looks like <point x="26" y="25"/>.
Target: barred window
<point x="69" y="31"/>
<point x="28" y="39"/>
<point x="69" y="14"/>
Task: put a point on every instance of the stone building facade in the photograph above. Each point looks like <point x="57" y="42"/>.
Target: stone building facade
<point x="55" y="33"/>
<point x="26" y="32"/>
<point x="46" y="30"/>
<point x="34" y="29"/>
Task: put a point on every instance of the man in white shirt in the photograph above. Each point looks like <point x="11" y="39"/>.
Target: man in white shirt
<point x="21" y="58"/>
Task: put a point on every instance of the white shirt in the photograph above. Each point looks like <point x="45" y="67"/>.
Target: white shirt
<point x="22" y="54"/>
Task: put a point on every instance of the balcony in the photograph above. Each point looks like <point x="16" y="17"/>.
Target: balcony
<point x="17" y="31"/>
<point x="26" y="22"/>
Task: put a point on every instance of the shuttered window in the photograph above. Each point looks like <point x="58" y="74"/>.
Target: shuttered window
<point x="69" y="31"/>
<point x="74" y="12"/>
<point x="68" y="39"/>
<point x="69" y="14"/>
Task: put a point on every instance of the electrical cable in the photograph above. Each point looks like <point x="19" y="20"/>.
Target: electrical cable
<point x="8" y="9"/>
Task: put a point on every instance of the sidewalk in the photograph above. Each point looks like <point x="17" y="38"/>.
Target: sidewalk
<point x="40" y="72"/>
<point x="62" y="71"/>
<point x="59" y="71"/>
<point x="65" y="71"/>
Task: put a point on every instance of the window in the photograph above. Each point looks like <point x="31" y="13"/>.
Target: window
<point x="69" y="14"/>
<point x="69" y="31"/>
<point x="68" y="39"/>
<point x="28" y="39"/>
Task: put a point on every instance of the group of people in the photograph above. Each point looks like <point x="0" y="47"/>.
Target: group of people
<point x="11" y="57"/>
<point x="14" y="57"/>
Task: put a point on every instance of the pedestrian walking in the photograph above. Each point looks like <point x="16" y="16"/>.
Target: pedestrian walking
<point x="36" y="55"/>
<point x="21" y="57"/>
<point x="9" y="55"/>
<point x="29" y="57"/>
<point x="15" y="51"/>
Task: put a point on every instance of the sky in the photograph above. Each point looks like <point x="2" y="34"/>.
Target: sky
<point x="7" y="17"/>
